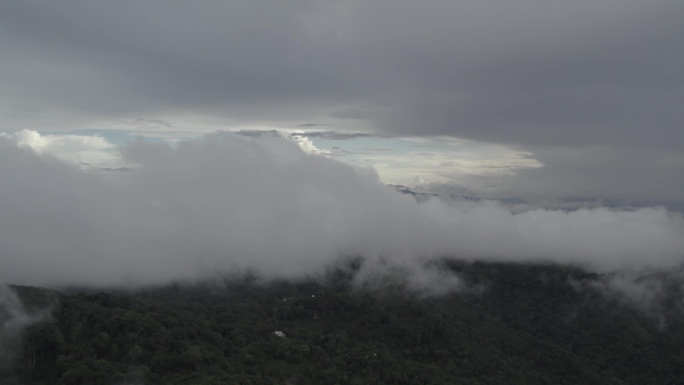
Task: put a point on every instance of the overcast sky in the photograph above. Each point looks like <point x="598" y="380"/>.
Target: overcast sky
<point x="591" y="89"/>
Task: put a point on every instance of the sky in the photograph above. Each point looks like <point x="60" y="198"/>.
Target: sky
<point x="543" y="100"/>
<point x="148" y="141"/>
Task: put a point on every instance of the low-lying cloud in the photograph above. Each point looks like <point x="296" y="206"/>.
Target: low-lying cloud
<point x="14" y="318"/>
<point x="227" y="204"/>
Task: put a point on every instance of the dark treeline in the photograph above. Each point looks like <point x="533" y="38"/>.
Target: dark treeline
<point x="522" y="324"/>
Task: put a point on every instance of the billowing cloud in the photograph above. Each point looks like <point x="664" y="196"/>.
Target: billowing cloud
<point x="227" y="204"/>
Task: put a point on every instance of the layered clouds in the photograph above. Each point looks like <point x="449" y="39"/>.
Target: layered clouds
<point x="592" y="89"/>
<point x="227" y="204"/>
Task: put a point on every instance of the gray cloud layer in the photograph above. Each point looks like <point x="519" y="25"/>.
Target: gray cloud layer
<point x="583" y="77"/>
<point x="228" y="203"/>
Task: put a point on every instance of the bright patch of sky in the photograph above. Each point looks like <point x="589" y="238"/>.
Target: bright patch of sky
<point x="415" y="161"/>
<point x="410" y="161"/>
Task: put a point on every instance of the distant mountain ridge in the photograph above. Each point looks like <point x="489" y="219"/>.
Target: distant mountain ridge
<point x="565" y="203"/>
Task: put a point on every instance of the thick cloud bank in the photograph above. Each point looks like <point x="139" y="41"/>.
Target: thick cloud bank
<point x="227" y="204"/>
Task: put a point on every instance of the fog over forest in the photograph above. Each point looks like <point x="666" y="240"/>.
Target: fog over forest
<point x="226" y="204"/>
<point x="436" y="191"/>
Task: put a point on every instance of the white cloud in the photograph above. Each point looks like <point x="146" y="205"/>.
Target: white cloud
<point x="307" y="145"/>
<point x="76" y="149"/>
<point x="227" y="203"/>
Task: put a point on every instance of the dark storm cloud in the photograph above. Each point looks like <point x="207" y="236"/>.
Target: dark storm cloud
<point x="529" y="72"/>
<point x="633" y="173"/>
<point x="111" y="59"/>
<point x="534" y="74"/>
<point x="571" y="78"/>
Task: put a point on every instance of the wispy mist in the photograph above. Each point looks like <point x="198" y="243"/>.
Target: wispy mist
<point x="227" y="204"/>
<point x="14" y="318"/>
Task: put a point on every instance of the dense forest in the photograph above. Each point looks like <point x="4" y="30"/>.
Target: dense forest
<point x="516" y="324"/>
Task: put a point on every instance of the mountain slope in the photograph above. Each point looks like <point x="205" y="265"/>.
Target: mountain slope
<point x="517" y="324"/>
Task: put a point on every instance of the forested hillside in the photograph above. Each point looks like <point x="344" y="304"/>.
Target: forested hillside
<point x="515" y="324"/>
